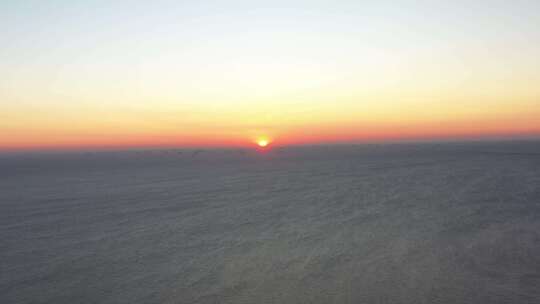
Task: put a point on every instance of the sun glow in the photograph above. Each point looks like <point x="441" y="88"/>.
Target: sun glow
<point x="262" y="142"/>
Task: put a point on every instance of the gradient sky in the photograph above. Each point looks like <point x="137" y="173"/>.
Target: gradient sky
<point x="217" y="73"/>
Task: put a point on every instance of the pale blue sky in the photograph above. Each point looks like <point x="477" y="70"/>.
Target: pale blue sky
<point x="52" y="29"/>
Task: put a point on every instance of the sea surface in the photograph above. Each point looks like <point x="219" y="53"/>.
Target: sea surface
<point x="392" y="223"/>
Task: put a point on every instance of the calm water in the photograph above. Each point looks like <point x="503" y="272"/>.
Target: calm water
<point x="429" y="223"/>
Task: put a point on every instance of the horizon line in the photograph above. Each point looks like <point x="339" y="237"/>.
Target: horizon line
<point x="274" y="145"/>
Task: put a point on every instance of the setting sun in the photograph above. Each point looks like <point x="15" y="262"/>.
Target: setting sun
<point x="262" y="143"/>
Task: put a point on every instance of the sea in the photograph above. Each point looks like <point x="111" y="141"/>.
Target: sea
<point x="437" y="222"/>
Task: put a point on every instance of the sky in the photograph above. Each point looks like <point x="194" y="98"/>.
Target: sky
<point x="77" y="74"/>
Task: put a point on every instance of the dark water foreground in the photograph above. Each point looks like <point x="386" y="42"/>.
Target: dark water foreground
<point x="431" y="223"/>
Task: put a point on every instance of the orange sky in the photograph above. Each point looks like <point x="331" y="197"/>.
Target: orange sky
<point x="313" y="133"/>
<point x="180" y="74"/>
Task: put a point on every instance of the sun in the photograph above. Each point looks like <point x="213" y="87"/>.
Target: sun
<point x="262" y="142"/>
